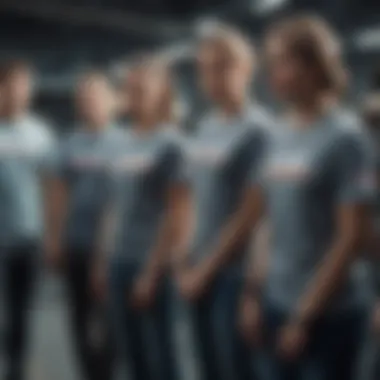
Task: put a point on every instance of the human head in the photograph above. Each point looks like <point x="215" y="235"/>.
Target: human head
<point x="150" y="91"/>
<point x="225" y="60"/>
<point x="304" y="59"/>
<point x="95" y="99"/>
<point x="16" y="82"/>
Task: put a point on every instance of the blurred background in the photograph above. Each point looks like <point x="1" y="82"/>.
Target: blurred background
<point x="63" y="37"/>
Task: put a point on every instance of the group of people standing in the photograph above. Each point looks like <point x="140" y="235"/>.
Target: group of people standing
<point x="253" y="226"/>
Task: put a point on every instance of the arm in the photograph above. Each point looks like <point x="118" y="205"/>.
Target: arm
<point x="55" y="198"/>
<point x="258" y="262"/>
<point x="173" y="231"/>
<point x="354" y="179"/>
<point x="236" y="232"/>
<point x="56" y="206"/>
<point x="183" y="225"/>
<point x="333" y="270"/>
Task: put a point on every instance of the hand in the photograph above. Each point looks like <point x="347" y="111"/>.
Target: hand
<point x="292" y="341"/>
<point x="143" y="291"/>
<point x="193" y="283"/>
<point x="250" y="319"/>
<point x="54" y="255"/>
<point x="98" y="281"/>
<point x="376" y="319"/>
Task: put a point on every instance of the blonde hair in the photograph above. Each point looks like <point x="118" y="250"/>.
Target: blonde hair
<point x="230" y="41"/>
<point x="90" y="76"/>
<point x="157" y="66"/>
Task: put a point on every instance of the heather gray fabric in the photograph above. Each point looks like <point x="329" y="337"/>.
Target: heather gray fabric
<point x="83" y="160"/>
<point x="26" y="147"/>
<point x="306" y="175"/>
<point x="143" y="172"/>
<point x="219" y="159"/>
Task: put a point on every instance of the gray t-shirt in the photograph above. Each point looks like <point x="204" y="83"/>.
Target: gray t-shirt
<point x="219" y="159"/>
<point x="83" y="160"/>
<point x="26" y="147"/>
<point x="146" y="167"/>
<point x="305" y="175"/>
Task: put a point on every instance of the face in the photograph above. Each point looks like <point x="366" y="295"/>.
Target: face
<point x="95" y="101"/>
<point x="223" y="75"/>
<point x="290" y="79"/>
<point x="18" y="91"/>
<point x="145" y="88"/>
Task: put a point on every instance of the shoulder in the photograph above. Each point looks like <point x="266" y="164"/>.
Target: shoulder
<point x="347" y="127"/>
<point x="116" y="132"/>
<point x="261" y="118"/>
<point x="348" y="119"/>
<point x="206" y="123"/>
<point x="37" y="128"/>
<point x="352" y="142"/>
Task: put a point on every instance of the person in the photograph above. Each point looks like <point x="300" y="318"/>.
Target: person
<point x="77" y="197"/>
<point x="371" y="116"/>
<point x="316" y="179"/>
<point x="26" y="145"/>
<point x="219" y="157"/>
<point x="143" y="225"/>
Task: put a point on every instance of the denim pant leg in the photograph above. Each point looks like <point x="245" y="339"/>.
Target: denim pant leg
<point x="335" y="347"/>
<point x="202" y="329"/>
<point x="268" y="363"/>
<point x="128" y="325"/>
<point x="376" y="364"/>
<point x="161" y="316"/>
<point x="233" y="354"/>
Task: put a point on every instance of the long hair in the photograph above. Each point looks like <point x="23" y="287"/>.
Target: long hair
<point x="311" y="40"/>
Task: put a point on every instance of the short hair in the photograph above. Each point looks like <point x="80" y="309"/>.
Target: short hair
<point x="13" y="66"/>
<point x="89" y="75"/>
<point x="312" y="40"/>
<point x="230" y="40"/>
<point x="163" y="67"/>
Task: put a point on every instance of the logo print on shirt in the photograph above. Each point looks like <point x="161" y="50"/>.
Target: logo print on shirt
<point x="291" y="168"/>
<point x="16" y="149"/>
<point x="134" y="164"/>
<point x="208" y="155"/>
<point x="87" y="162"/>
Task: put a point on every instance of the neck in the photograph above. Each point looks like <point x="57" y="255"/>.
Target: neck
<point x="145" y="124"/>
<point x="308" y="110"/>
<point x="12" y="114"/>
<point x="95" y="127"/>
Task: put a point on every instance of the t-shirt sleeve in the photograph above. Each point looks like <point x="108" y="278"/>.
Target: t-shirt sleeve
<point x="256" y="158"/>
<point x="175" y="165"/>
<point x="354" y="173"/>
<point x="58" y="160"/>
<point x="48" y="148"/>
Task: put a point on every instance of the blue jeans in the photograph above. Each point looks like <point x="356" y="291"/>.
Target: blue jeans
<point x="144" y="338"/>
<point x="220" y="350"/>
<point x="332" y="353"/>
